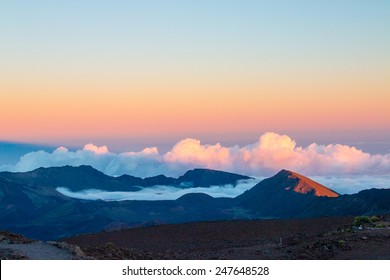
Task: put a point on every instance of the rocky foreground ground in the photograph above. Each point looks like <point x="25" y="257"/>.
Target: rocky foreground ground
<point x="320" y="238"/>
<point x="17" y="247"/>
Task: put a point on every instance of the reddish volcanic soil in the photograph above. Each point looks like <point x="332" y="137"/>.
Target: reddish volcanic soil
<point x="306" y="185"/>
<point x="321" y="238"/>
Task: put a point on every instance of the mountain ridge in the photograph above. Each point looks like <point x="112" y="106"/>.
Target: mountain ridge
<point x="39" y="211"/>
<point x="78" y="178"/>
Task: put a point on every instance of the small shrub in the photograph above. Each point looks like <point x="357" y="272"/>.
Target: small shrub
<point x="361" y="220"/>
<point x="379" y="226"/>
<point x="341" y="243"/>
<point x="375" y="219"/>
<point x="110" y="245"/>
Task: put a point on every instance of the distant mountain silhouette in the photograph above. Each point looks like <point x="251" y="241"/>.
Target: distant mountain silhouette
<point x="86" y="177"/>
<point x="287" y="182"/>
<point x="196" y="198"/>
<point x="30" y="204"/>
<point x="206" y="178"/>
<point x="73" y="178"/>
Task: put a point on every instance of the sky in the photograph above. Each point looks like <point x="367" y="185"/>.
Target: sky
<point x="222" y="76"/>
<point x="116" y="72"/>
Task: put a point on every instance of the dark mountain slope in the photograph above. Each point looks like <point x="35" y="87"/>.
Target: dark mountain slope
<point x="73" y="178"/>
<point x="43" y="213"/>
<point x="39" y="211"/>
<point x="21" y="204"/>
<point x="366" y="202"/>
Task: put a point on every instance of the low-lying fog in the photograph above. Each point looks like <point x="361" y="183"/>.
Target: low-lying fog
<point x="342" y="185"/>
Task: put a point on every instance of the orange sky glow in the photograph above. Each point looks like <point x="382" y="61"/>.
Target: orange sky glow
<point x="124" y="71"/>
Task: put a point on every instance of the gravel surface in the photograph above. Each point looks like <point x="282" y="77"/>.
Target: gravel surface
<point x="318" y="238"/>
<point x="37" y="251"/>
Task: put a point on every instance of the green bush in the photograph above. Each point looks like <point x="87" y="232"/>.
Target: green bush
<point x="375" y="219"/>
<point x="341" y="243"/>
<point x="361" y="220"/>
<point x="380" y="226"/>
<point x="110" y="245"/>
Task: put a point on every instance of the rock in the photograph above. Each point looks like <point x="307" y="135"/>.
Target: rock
<point x="78" y="252"/>
<point x="9" y="254"/>
<point x="73" y="249"/>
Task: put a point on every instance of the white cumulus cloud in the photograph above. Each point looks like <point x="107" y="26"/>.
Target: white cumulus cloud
<point x="271" y="153"/>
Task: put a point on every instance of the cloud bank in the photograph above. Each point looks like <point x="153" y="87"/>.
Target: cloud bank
<point x="353" y="184"/>
<point x="342" y="185"/>
<point x="268" y="155"/>
<point x="161" y="192"/>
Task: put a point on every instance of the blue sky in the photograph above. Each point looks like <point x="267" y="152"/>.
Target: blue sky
<point x="139" y="74"/>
